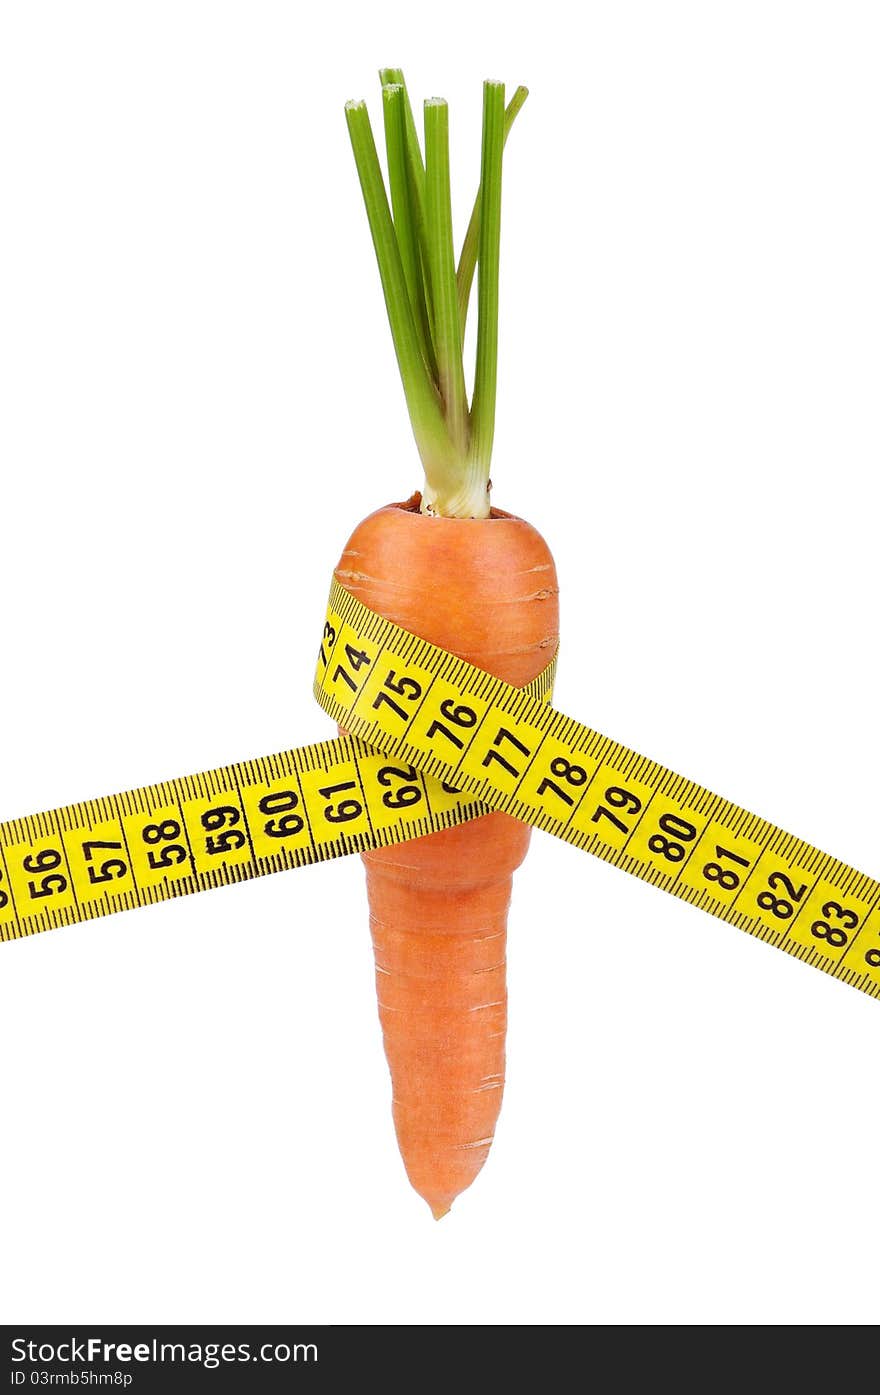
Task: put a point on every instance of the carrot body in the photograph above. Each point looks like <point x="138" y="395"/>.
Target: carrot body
<point x="486" y="590"/>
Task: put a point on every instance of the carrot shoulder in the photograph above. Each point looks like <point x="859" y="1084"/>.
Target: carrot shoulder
<point x="486" y="590"/>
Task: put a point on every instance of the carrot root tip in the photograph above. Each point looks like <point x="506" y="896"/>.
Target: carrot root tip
<point x="438" y="1212"/>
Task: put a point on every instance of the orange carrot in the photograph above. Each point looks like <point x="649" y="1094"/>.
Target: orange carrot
<point x="486" y="590"/>
<point x="475" y="581"/>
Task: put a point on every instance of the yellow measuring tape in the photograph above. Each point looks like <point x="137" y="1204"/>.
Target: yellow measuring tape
<point x="434" y="742"/>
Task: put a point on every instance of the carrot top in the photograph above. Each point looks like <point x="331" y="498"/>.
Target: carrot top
<point x="426" y="297"/>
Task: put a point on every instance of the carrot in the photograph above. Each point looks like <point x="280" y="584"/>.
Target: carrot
<point x="480" y="583"/>
<point x="438" y="905"/>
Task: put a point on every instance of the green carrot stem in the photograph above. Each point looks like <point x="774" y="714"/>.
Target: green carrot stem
<point x="441" y="260"/>
<point x="423" y="293"/>
<point x="393" y="106"/>
<point x="423" y="400"/>
<point x="467" y="263"/>
<point x="416" y="173"/>
<point x="486" y="377"/>
<point x="394" y="77"/>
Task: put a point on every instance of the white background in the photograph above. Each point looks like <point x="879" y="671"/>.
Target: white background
<point x="200" y="401"/>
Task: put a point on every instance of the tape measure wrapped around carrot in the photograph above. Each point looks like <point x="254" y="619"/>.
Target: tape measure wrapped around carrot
<point x="476" y="581"/>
